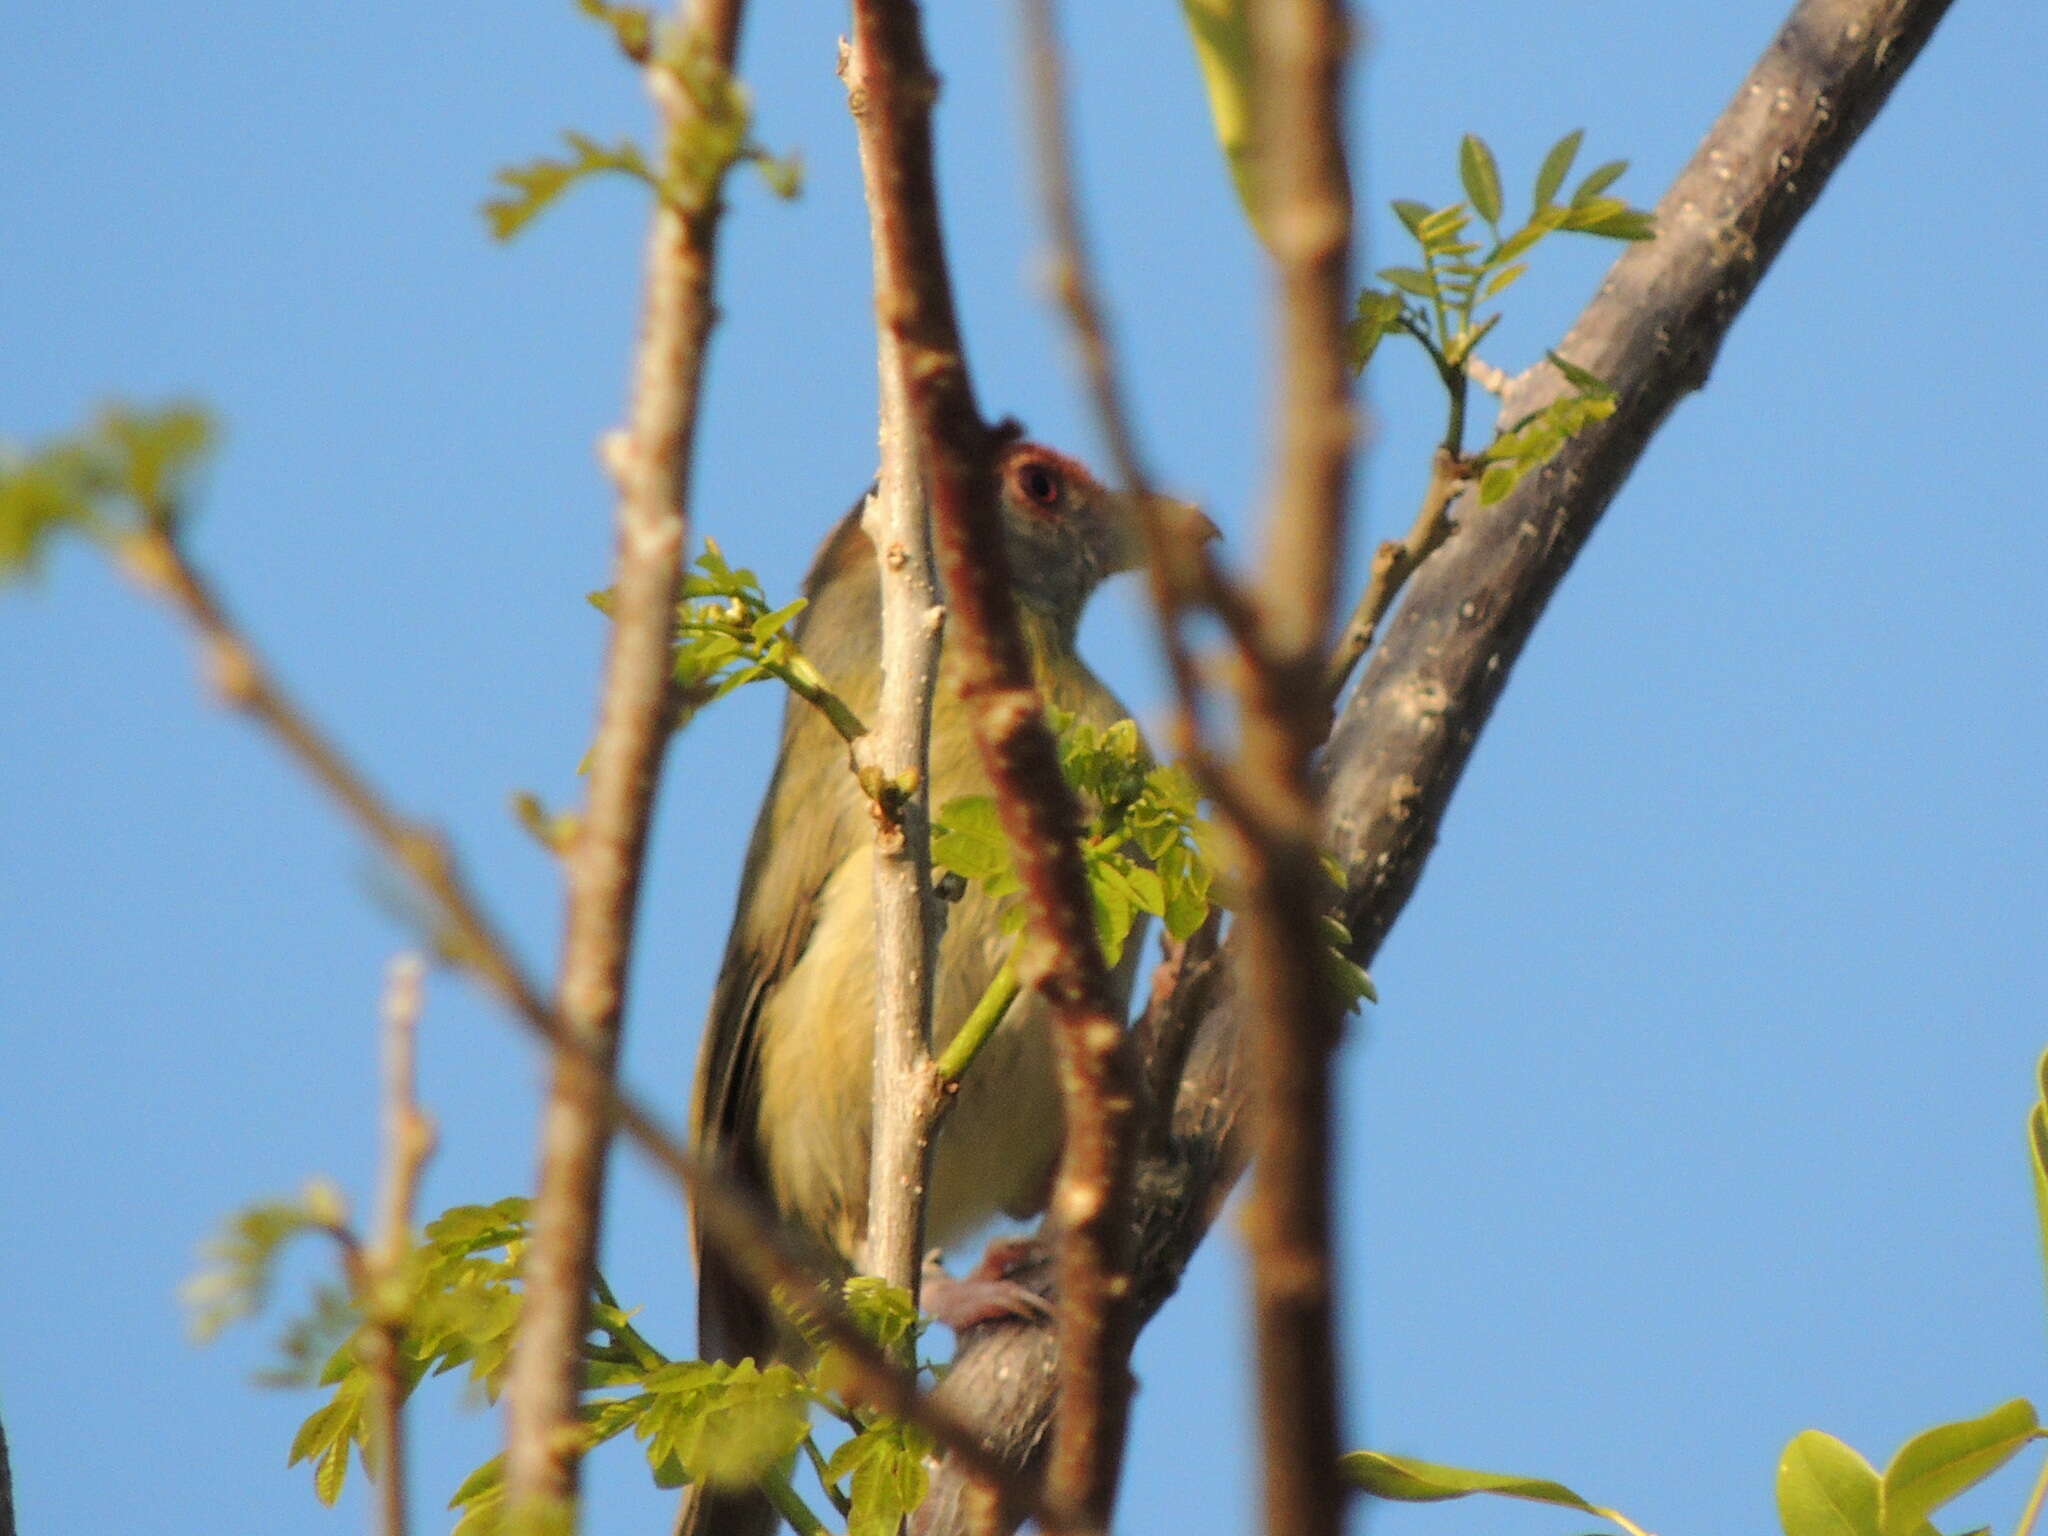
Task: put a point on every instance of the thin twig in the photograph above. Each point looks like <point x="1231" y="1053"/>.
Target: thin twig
<point x="1038" y="810"/>
<point x="907" y="1100"/>
<point x="1171" y="579"/>
<point x="408" y="1143"/>
<point x="652" y="460"/>
<point x="1394" y="562"/>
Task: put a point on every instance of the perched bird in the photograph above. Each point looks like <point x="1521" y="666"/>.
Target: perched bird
<point x="785" y="1070"/>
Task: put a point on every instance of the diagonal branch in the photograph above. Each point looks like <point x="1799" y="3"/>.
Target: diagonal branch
<point x="652" y="462"/>
<point x="895" y="87"/>
<point x="1409" y="730"/>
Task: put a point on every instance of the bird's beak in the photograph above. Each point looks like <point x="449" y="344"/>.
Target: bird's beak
<point x="1183" y="528"/>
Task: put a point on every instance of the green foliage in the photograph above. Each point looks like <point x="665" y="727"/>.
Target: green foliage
<point x="1221" y="31"/>
<point x="1143" y="843"/>
<point x="241" y="1264"/>
<point x="703" y="143"/>
<point x="887" y="1464"/>
<point x="1826" y="1489"/>
<point x="727" y="636"/>
<point x="131" y="469"/>
<point x="533" y="187"/>
<point x="457" y="1309"/>
<point x="1438" y="303"/>
<point x="1534" y="440"/>
<point x="1409" y="1481"/>
<point x="2037" y="1148"/>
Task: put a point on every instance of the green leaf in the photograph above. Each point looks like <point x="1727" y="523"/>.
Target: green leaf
<point x="1937" y="1464"/>
<point x="1497" y="480"/>
<point x="630" y="25"/>
<point x="769" y="625"/>
<point x="1582" y="379"/>
<point x="537" y="184"/>
<point x="1556" y="166"/>
<point x="887" y="1462"/>
<point x="1411" y="214"/>
<point x="726" y="1424"/>
<point x="1598" y="181"/>
<point x="967" y="838"/>
<point x="1629" y="224"/>
<point x="1221" y="30"/>
<point x="1410" y="280"/>
<point x="1825" y="1489"/>
<point x="331" y="1473"/>
<point x="2037" y="1145"/>
<point x="1501" y="280"/>
<point x="1409" y="1481"/>
<point x="884" y="1312"/>
<point x="1481" y="176"/>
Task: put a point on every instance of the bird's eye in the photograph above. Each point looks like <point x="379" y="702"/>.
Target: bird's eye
<point x="1039" y="483"/>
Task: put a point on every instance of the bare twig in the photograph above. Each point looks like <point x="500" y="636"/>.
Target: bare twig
<point x="1299" y="50"/>
<point x="1394" y="562"/>
<point x="1170" y="575"/>
<point x="894" y="84"/>
<point x="907" y="1100"/>
<point x="408" y="1143"/>
<point x="1410" y="727"/>
<point x="652" y="462"/>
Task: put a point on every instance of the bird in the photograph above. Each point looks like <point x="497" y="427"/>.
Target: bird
<point x="784" y="1073"/>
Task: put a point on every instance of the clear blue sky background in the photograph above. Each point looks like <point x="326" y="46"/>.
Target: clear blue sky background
<point x="1693" y="1114"/>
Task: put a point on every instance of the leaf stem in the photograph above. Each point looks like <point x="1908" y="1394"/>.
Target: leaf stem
<point x="995" y="1002"/>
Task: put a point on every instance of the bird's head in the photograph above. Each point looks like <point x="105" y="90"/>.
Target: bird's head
<point x="1066" y="531"/>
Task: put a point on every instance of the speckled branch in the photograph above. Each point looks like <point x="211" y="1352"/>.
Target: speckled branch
<point x="907" y="1094"/>
<point x="1404" y="738"/>
<point x="1038" y="810"/>
<point x="651" y="460"/>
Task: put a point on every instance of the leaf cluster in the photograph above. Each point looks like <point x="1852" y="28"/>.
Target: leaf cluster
<point x="457" y="1309"/>
<point x="130" y="470"/>
<point x="702" y="142"/>
<point x="1144" y="844"/>
<point x="1438" y="303"/>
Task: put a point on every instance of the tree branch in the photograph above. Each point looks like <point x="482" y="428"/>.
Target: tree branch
<point x="908" y="1100"/>
<point x="408" y="1143"/>
<point x="1299" y="49"/>
<point x="1405" y="736"/>
<point x="544" y="1384"/>
<point x="1038" y="810"/>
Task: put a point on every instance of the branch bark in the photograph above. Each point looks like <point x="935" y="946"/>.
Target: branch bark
<point x="1039" y="813"/>
<point x="652" y="462"/>
<point x="908" y="1099"/>
<point x="1408" y="731"/>
<point x="1295" y="1016"/>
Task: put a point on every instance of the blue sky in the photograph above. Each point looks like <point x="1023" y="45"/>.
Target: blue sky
<point x="1693" y="1113"/>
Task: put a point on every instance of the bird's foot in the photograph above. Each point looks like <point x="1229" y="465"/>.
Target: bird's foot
<point x="986" y="1293"/>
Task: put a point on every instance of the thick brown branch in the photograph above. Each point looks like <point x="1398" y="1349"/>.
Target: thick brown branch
<point x="1408" y="731"/>
<point x="652" y="460"/>
<point x="895" y="87"/>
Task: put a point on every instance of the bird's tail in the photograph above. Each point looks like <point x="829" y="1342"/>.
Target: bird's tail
<point x="732" y="1324"/>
